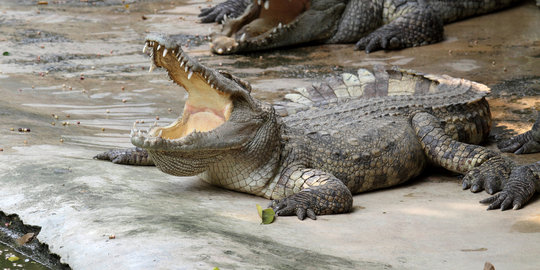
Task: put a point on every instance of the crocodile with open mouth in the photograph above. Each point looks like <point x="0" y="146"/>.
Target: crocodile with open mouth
<point x="372" y="24"/>
<point x="343" y="136"/>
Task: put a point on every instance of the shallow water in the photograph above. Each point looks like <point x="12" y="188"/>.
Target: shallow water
<point x="8" y="260"/>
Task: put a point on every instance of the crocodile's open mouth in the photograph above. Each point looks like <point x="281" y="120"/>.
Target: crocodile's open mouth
<point x="263" y="21"/>
<point x="206" y="108"/>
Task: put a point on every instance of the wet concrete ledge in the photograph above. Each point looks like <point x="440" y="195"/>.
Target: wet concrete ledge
<point x="13" y="229"/>
<point x="77" y="79"/>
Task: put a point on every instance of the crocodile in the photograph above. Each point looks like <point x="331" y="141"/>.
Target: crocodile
<point x="525" y="143"/>
<point x="345" y="135"/>
<point x="372" y="24"/>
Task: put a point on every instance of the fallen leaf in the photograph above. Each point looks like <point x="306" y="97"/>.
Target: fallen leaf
<point x="267" y="215"/>
<point x="13" y="258"/>
<point x="25" y="238"/>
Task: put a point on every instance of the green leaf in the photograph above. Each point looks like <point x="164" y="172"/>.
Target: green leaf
<point x="5" y="54"/>
<point x="216" y="268"/>
<point x="268" y="216"/>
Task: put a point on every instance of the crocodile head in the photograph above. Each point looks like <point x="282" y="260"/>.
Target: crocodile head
<point x="219" y="115"/>
<point x="277" y="23"/>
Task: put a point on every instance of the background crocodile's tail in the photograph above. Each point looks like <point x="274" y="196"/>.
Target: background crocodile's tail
<point x="452" y="10"/>
<point x="378" y="84"/>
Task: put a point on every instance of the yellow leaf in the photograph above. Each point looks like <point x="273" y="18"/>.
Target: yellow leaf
<point x="13" y="258"/>
<point x="259" y="209"/>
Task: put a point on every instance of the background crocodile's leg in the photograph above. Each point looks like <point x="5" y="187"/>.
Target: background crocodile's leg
<point x="217" y="13"/>
<point x="528" y="142"/>
<point x="130" y="156"/>
<point x="483" y="168"/>
<point x="414" y="25"/>
<point x="315" y="193"/>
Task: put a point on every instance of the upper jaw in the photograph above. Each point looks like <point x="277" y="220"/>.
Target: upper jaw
<point x="271" y="28"/>
<point x="209" y="105"/>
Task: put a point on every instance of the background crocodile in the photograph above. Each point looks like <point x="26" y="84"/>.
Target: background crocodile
<point x="373" y="24"/>
<point x="311" y="156"/>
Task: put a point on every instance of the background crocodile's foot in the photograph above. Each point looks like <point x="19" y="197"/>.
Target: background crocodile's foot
<point x="525" y="143"/>
<point x="489" y="176"/>
<point x="130" y="156"/>
<point x="517" y="191"/>
<point x="227" y="9"/>
<point x="419" y="27"/>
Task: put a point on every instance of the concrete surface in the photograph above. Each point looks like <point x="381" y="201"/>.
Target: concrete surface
<point x="82" y="62"/>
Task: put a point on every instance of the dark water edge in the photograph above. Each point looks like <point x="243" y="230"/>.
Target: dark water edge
<point x="12" y="230"/>
<point x="11" y="259"/>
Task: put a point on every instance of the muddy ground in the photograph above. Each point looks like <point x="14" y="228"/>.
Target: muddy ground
<point x="73" y="73"/>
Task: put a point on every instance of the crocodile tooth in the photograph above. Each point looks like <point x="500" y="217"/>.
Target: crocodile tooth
<point x="186" y="69"/>
<point x="229" y="49"/>
<point x="189" y="75"/>
<point x="259" y="2"/>
<point x="243" y="37"/>
<point x="181" y="63"/>
<point x="160" y="133"/>
<point x="164" y="52"/>
<point x="158" y="46"/>
<point x="145" y="46"/>
<point x="155" y="124"/>
<point x="212" y="85"/>
<point x="220" y="50"/>
<point x="267" y="4"/>
<point x="279" y="25"/>
<point x="274" y="30"/>
<point x="151" y="68"/>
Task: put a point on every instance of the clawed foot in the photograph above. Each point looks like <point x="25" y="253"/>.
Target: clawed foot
<point x="489" y="176"/>
<point x="131" y="156"/>
<point x="380" y="40"/>
<point x="517" y="191"/>
<point x="299" y="204"/>
<point x="521" y="144"/>
<point x="219" y="12"/>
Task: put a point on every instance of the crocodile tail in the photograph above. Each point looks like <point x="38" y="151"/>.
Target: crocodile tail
<point x="334" y="89"/>
<point x="380" y="83"/>
<point x="452" y="10"/>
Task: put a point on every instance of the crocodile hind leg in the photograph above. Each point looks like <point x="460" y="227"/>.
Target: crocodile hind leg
<point x="314" y="192"/>
<point x="130" y="156"/>
<point x="525" y="143"/>
<point x="483" y="168"/>
<point x="517" y="192"/>
<point x="415" y="25"/>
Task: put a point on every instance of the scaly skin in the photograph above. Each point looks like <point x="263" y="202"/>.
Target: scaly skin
<point x="372" y="25"/>
<point x="347" y="135"/>
<point x="525" y="143"/>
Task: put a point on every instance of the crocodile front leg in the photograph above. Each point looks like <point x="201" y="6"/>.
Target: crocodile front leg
<point x="525" y="143"/>
<point x="417" y="25"/>
<point x="130" y="156"/>
<point x="319" y="193"/>
<point x="483" y="168"/>
<point x="227" y="9"/>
